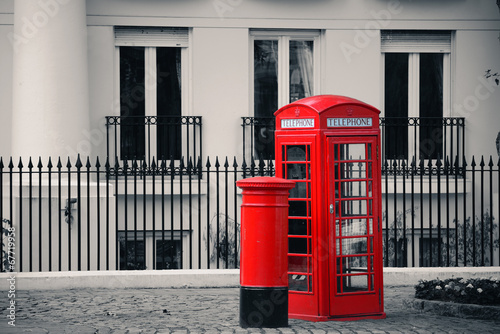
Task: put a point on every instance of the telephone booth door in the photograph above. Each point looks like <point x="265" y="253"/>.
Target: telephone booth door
<point x="354" y="207"/>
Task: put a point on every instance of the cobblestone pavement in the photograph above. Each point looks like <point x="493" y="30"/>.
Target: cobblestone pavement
<point x="214" y="310"/>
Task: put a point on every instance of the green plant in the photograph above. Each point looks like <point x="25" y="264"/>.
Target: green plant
<point x="222" y="246"/>
<point x="463" y="244"/>
<point x="477" y="238"/>
<point x="481" y="291"/>
<point x="395" y="242"/>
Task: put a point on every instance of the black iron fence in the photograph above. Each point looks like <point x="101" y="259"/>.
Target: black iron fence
<point x="143" y="138"/>
<point x="422" y="137"/>
<point x="103" y="215"/>
<point x="401" y="137"/>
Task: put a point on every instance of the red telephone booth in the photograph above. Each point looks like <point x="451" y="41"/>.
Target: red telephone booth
<point x="329" y="145"/>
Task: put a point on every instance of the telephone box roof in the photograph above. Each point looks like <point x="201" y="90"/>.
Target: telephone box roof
<point x="321" y="103"/>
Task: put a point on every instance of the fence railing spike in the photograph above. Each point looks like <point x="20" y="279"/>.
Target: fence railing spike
<point x="482" y="164"/>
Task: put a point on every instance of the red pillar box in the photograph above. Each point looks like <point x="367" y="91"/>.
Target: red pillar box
<point x="264" y="247"/>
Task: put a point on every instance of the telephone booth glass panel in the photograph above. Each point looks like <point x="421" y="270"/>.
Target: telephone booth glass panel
<point x="296" y="165"/>
<point x="352" y="208"/>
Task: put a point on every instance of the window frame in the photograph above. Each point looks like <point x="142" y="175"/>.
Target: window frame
<point x="150" y="245"/>
<point x="284" y="37"/>
<point x="414" y="48"/>
<point x="151" y="38"/>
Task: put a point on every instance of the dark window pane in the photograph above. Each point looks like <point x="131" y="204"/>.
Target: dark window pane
<point x="297" y="227"/>
<point x="296" y="153"/>
<point x="297" y="209"/>
<point x="301" y="69"/>
<point x="168" y="254"/>
<point x="431" y="105"/>
<point x="132" y="254"/>
<point x="396" y="105"/>
<point x="132" y="102"/>
<point x="298" y="283"/>
<point x="428" y="246"/>
<point x="265" y="95"/>
<point x="297" y="245"/>
<point x="297" y="264"/>
<point x="168" y="97"/>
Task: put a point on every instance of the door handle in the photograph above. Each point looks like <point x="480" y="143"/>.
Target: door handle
<point x="331" y="208"/>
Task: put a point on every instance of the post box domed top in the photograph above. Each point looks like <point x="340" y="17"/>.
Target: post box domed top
<point x="327" y="112"/>
<point x="265" y="182"/>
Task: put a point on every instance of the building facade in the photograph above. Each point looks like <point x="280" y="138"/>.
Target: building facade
<point x="157" y="81"/>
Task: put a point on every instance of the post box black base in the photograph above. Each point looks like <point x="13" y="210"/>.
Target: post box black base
<point x="263" y="307"/>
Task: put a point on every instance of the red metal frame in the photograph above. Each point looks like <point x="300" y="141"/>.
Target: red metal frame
<point x="333" y="274"/>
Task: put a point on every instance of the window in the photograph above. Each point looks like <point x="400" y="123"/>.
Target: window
<point x="416" y="93"/>
<point x="152" y="91"/>
<point x="429" y="248"/>
<point x="285" y="69"/>
<point x="151" y="249"/>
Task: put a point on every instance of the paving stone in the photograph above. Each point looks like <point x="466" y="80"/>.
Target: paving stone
<point x="127" y="311"/>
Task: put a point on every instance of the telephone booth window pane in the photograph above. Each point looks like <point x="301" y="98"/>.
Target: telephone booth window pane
<point x="353" y="170"/>
<point x="353" y="189"/>
<point x="353" y="227"/>
<point x="354" y="246"/>
<point x="298" y="282"/>
<point x="296" y="172"/>
<point x="297" y="209"/>
<point x="296" y="165"/>
<point x="296" y="153"/>
<point x="352" y="152"/>
<point x="355" y="283"/>
<point x="355" y="264"/>
<point x="370" y="227"/>
<point x="354" y="208"/>
<point x="299" y="191"/>
<point x="297" y="227"/>
<point x="297" y="264"/>
<point x="297" y="245"/>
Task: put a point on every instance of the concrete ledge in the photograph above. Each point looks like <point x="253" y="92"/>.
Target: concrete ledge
<point x="411" y="276"/>
<point x="204" y="278"/>
<point x="449" y="309"/>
